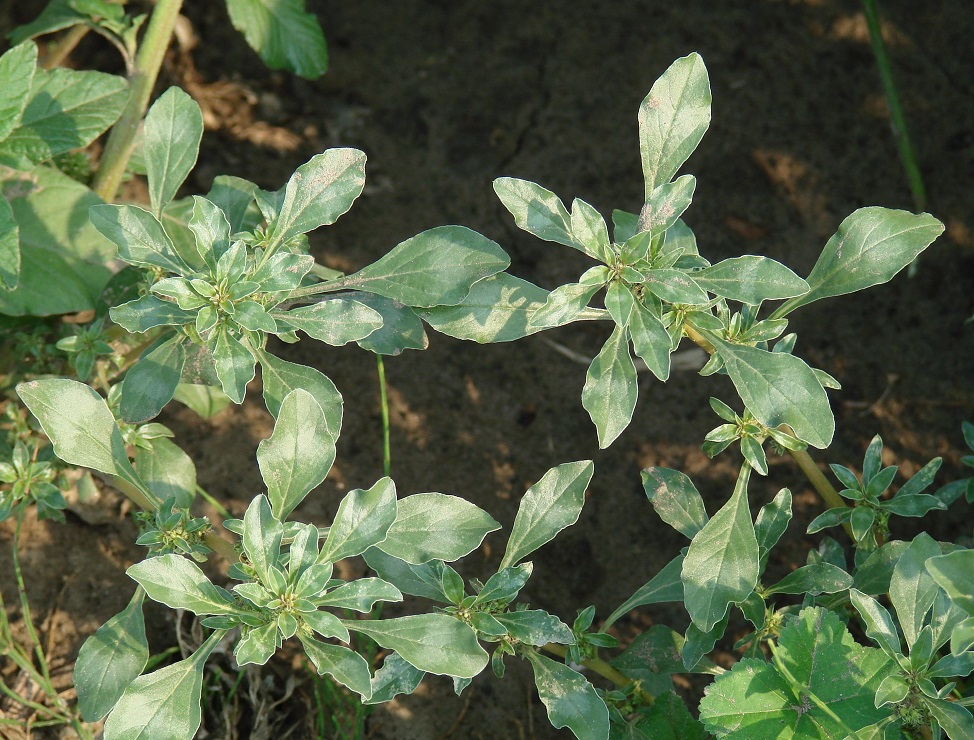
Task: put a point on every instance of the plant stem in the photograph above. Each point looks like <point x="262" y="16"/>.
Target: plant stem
<point x="603" y="669"/>
<point x="148" y="61"/>
<point x="65" y="45"/>
<point x="384" y="401"/>
<point x="900" y="132"/>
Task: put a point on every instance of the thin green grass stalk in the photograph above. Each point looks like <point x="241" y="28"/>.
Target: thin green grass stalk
<point x="384" y="398"/>
<point x="902" y="135"/>
<point x="213" y="502"/>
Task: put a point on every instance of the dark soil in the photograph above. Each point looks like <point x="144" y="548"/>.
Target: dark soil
<point x="446" y="96"/>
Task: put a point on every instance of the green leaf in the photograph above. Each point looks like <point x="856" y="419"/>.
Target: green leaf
<point x="956" y="720"/>
<point x="262" y="537"/>
<point x="165" y="703"/>
<point x="497" y="309"/>
<point x="211" y="235"/>
<point x="319" y="191"/>
<point x="814" y="579"/>
<point x="667" y="585"/>
<point x="675" y="286"/>
<point x="434" y="526"/>
<point x="280" y="377"/>
<point x="285" y="36"/>
<point x="435" y="643"/>
<point x="78" y="423"/>
<point x="821" y="684"/>
<point x="698" y="643"/>
<point x="536" y="210"/>
<point x="257" y="645"/>
<point x="535" y="627"/>
<point x="67" y="110"/>
<point x="110" y="660"/>
<point x="395" y="677"/>
<point x="565" y="304"/>
<point x="666" y="204"/>
<point x="9" y="247"/>
<point x="609" y="394"/>
<point x="954" y="573"/>
<point x="334" y="321"/>
<point x="148" y="312"/>
<point x="722" y="564"/>
<point x="667" y="719"/>
<point x="173" y="130"/>
<point x="673" y="119"/>
<point x="150" y="383"/>
<point x="205" y="401"/>
<point x="505" y="584"/>
<point x="64" y="261"/>
<point x="675" y="499"/>
<point x="771" y="523"/>
<point x="870" y="247"/>
<point x="401" y="328"/>
<point x="139" y="236"/>
<point x="360" y="595"/>
<point x="434" y="268"/>
<point x="550" y="505"/>
<point x="589" y="231"/>
<point x="348" y="668"/>
<point x="416" y="580"/>
<point x="879" y="624"/>
<point x="653" y="653"/>
<point x="17" y="67"/>
<point x="167" y="471"/>
<point x="179" y="583"/>
<point x="750" y="280"/>
<point x="912" y="590"/>
<point x="650" y="340"/>
<point x="363" y="520"/>
<point x="234" y="364"/>
<point x="874" y="575"/>
<point x="778" y="389"/>
<point x="298" y="454"/>
<point x="571" y="701"/>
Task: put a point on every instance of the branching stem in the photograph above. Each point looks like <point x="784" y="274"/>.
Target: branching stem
<point x="603" y="669"/>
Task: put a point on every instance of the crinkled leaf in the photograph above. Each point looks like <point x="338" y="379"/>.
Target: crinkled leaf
<point x="435" y="643"/>
<point x="870" y="247"/>
<point x="675" y="499"/>
<point x="171" y="142"/>
<point x="779" y="388"/>
<point x="179" y="583"/>
<point x="497" y="309"/>
<point x="298" y="454"/>
<point x="817" y="657"/>
<point x="363" y="520"/>
<point x="285" y="36"/>
<point x="68" y="109"/>
<point x="550" y="505"/>
<point x="164" y="703"/>
<point x="110" y="660"/>
<point x="318" y="192"/>
<point x="434" y="526"/>
<point x="751" y="280"/>
<point x="571" y="700"/>
<point x="17" y="67"/>
<point x="434" y="268"/>
<point x="673" y="119"/>
<point x="722" y="565"/>
<point x="64" y="263"/>
<point x="610" y="390"/>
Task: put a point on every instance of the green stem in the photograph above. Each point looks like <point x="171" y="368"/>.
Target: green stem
<point x="384" y="399"/>
<point x="603" y="669"/>
<point x="316" y="289"/>
<point x="900" y="131"/>
<point x="148" y="61"/>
